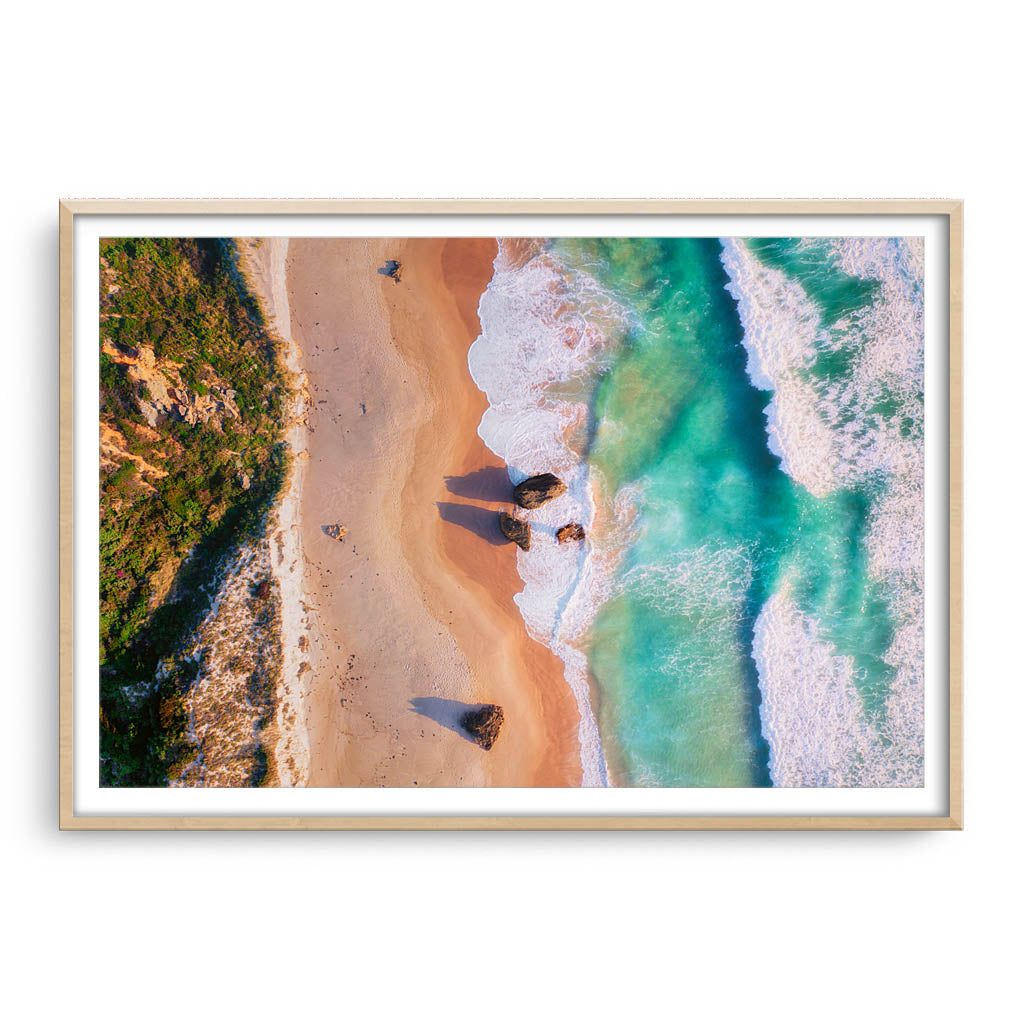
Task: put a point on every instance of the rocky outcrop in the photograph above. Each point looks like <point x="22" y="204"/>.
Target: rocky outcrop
<point x="335" y="531"/>
<point x="515" y="529"/>
<point x="536" y="490"/>
<point x="569" y="532"/>
<point x="114" y="453"/>
<point x="483" y="724"/>
<point x="161" y="394"/>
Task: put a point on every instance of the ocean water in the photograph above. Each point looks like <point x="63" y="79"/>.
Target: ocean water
<point x="740" y="425"/>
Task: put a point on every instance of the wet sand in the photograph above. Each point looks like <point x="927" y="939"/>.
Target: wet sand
<point x="411" y="617"/>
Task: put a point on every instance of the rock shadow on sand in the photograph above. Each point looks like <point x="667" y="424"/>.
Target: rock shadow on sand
<point x="447" y="713"/>
<point x="480" y="521"/>
<point x="488" y="484"/>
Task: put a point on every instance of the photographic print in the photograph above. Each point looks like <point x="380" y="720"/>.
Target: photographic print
<point x="549" y="512"/>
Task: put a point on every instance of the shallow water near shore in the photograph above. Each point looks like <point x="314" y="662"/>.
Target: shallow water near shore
<point x="740" y="426"/>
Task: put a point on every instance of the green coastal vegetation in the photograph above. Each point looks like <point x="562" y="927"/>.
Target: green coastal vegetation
<point x="183" y="483"/>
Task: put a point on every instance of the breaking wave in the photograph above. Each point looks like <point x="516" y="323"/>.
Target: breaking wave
<point x="547" y="330"/>
<point x="858" y="427"/>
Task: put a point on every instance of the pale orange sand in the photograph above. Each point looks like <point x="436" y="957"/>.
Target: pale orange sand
<point x="414" y="608"/>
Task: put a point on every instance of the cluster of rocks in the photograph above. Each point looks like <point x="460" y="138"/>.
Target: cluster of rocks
<point x="532" y="493"/>
<point x="483" y="724"/>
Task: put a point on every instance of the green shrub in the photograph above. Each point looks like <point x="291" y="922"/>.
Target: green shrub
<point x="186" y="299"/>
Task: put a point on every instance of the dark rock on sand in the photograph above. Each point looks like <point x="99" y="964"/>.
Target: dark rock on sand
<point x="335" y="531"/>
<point x="571" y="531"/>
<point x="515" y="529"/>
<point x="535" y="490"/>
<point x="392" y="269"/>
<point x="484" y="724"/>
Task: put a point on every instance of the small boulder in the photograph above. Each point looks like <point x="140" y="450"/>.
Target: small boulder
<point x="335" y="531"/>
<point x="483" y="724"/>
<point x="392" y="269"/>
<point x="571" y="531"/>
<point x="515" y="529"/>
<point x="536" y="490"/>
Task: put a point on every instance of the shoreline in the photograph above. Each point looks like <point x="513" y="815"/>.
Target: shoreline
<point x="532" y="361"/>
<point x="476" y="487"/>
<point x="411" y="617"/>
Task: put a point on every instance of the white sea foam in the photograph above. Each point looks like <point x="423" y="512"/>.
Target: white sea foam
<point x="892" y="359"/>
<point x="812" y="715"/>
<point x="811" y="712"/>
<point x="546" y="331"/>
<point x="692" y="582"/>
<point x="707" y="586"/>
<point x="829" y="432"/>
<point x="782" y="333"/>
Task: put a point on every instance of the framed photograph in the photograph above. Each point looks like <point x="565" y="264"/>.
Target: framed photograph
<point x="510" y="514"/>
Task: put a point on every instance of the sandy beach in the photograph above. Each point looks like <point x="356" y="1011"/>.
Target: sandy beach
<point x="410" y="618"/>
<point x="264" y="263"/>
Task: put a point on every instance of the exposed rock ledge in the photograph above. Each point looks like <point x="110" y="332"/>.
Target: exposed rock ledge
<point x="114" y="453"/>
<point x="161" y="394"/>
<point x="484" y="724"/>
<point x="536" y="490"/>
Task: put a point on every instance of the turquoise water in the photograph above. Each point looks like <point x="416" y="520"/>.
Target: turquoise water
<point x="676" y="422"/>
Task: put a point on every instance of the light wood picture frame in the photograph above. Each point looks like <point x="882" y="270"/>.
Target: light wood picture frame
<point x="295" y="215"/>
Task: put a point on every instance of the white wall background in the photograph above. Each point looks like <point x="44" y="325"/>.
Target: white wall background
<point x="531" y="99"/>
